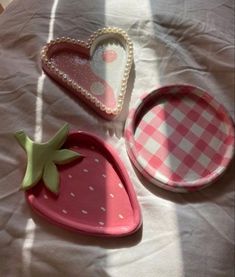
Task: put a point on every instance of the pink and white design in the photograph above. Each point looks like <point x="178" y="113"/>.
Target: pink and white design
<point x="180" y="138"/>
<point x="96" y="71"/>
<point x="96" y="196"/>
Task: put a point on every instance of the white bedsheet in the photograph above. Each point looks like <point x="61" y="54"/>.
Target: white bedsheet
<point x="177" y="41"/>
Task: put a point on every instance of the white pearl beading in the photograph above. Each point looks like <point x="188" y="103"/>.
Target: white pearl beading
<point x="112" y="31"/>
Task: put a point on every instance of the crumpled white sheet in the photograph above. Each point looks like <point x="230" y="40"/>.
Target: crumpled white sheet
<point x="179" y="41"/>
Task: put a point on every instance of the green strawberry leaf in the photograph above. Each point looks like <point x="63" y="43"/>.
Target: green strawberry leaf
<point x="64" y="156"/>
<point x="51" y="177"/>
<point x="59" y="138"/>
<point x="31" y="179"/>
<point x="42" y="156"/>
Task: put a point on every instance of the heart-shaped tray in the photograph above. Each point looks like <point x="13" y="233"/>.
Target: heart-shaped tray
<point x="180" y="138"/>
<point x="97" y="71"/>
<point x="96" y="196"/>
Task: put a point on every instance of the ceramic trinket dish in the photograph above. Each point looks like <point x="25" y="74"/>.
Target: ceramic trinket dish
<point x="78" y="182"/>
<point x="180" y="138"/>
<point x="96" y="70"/>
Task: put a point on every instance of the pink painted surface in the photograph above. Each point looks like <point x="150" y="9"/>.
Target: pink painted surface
<point x="77" y="66"/>
<point x="96" y="196"/>
<point x="180" y="137"/>
<point x="109" y="56"/>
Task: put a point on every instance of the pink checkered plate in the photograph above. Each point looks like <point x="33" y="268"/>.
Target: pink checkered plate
<point x="180" y="138"/>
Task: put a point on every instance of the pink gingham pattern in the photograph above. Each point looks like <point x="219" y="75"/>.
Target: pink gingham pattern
<point x="180" y="138"/>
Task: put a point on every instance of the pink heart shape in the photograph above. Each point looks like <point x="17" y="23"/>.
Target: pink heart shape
<point x="97" y="71"/>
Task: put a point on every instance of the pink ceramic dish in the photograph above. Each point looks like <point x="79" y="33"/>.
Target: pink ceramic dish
<point x="96" y="71"/>
<point x="96" y="195"/>
<point x="180" y="138"/>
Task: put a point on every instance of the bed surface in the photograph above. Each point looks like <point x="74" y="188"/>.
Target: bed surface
<point x="175" y="42"/>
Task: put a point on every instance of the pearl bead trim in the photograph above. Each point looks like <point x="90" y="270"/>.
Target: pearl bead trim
<point x="127" y="44"/>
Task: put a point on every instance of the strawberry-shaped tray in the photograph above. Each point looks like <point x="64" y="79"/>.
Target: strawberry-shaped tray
<point x="96" y="71"/>
<point x="91" y="193"/>
<point x="180" y="138"/>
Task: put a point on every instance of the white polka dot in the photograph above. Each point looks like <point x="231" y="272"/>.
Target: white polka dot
<point x="101" y="223"/>
<point x="121" y="216"/>
<point x="85" y="170"/>
<point x="111" y="195"/>
<point x="84" y="211"/>
<point x="120" y="185"/>
<point x="104" y="175"/>
<point x="70" y="176"/>
<point x="91" y="188"/>
<point x="96" y="160"/>
<point x="64" y="211"/>
<point x="80" y="60"/>
<point x="72" y="194"/>
<point x="45" y="196"/>
<point x="97" y="88"/>
<point x="103" y="209"/>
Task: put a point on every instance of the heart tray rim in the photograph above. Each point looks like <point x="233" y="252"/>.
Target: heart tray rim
<point x="89" y="46"/>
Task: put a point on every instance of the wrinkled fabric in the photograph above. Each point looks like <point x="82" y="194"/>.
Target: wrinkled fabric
<point x="174" y="42"/>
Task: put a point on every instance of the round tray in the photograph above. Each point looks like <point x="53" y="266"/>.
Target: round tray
<point x="180" y="138"/>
